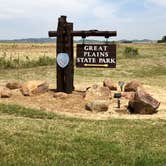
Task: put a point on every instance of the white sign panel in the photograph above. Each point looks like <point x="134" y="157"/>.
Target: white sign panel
<point x="62" y="60"/>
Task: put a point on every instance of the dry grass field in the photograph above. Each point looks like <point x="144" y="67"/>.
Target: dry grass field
<point x="148" y="66"/>
<point x="33" y="51"/>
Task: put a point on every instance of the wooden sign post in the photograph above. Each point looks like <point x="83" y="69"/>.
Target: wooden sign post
<point x="65" y="56"/>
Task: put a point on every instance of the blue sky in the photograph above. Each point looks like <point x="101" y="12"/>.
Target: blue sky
<point x="132" y="19"/>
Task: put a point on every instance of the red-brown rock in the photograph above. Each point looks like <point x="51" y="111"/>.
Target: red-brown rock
<point x="109" y="83"/>
<point x="143" y="103"/>
<point x="132" y="86"/>
<point x="41" y="88"/>
<point x="13" y="85"/>
<point x="128" y="95"/>
<point x="34" y="87"/>
<point x="5" y="93"/>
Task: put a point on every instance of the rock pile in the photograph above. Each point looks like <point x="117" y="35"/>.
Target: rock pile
<point x="134" y="99"/>
<point x="98" y="98"/>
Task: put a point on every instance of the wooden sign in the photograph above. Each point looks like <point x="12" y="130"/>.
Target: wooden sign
<point x="96" y="55"/>
<point x="87" y="55"/>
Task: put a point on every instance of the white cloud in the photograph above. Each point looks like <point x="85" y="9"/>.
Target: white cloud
<point x="104" y="11"/>
<point x="36" y="17"/>
<point x="9" y="11"/>
<point x="76" y="8"/>
<point x="160" y="3"/>
<point x="32" y="7"/>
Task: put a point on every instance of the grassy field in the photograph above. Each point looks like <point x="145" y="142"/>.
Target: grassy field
<point x="32" y="137"/>
<point x="149" y="64"/>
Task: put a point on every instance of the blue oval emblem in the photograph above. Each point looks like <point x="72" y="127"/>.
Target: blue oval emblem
<point x="62" y="60"/>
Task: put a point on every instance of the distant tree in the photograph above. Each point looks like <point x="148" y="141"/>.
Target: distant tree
<point x="163" y="40"/>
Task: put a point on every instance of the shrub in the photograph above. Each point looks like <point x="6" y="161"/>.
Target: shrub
<point x="6" y="63"/>
<point x="45" y="61"/>
<point x="163" y="40"/>
<point x="129" y="51"/>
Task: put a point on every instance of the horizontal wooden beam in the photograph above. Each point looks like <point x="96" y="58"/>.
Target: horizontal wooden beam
<point x="94" y="33"/>
<point x="52" y="33"/>
<point x="84" y="34"/>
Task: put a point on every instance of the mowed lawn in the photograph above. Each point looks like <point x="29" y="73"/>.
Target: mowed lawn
<point x="32" y="137"/>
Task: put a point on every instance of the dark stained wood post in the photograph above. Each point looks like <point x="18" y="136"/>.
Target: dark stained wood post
<point x="69" y="70"/>
<point x="65" y="45"/>
<point x="65" y="34"/>
<point x="60" y="49"/>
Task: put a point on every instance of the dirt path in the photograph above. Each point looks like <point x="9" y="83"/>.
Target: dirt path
<point x="74" y="105"/>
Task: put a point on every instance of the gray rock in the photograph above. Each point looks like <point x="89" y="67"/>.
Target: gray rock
<point x="97" y="92"/>
<point x="97" y="105"/>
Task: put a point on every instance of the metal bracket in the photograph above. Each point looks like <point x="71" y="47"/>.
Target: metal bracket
<point x="106" y="39"/>
<point x="83" y="39"/>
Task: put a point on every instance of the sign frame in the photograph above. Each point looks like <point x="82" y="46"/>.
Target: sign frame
<point x="96" y="56"/>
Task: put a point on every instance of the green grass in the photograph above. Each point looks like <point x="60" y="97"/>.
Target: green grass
<point x="6" y="63"/>
<point x="25" y="112"/>
<point x="151" y="71"/>
<point x="131" y="52"/>
<point x="33" y="137"/>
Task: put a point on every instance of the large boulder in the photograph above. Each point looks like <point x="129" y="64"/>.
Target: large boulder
<point x="13" y="85"/>
<point x="5" y="93"/>
<point x="143" y="103"/>
<point x="132" y="86"/>
<point x="97" y="92"/>
<point x="34" y="87"/>
<point x="97" y="105"/>
<point x="109" y="83"/>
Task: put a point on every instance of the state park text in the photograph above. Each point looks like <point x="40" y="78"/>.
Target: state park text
<point x="96" y="55"/>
